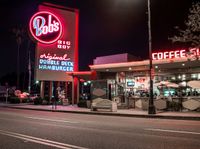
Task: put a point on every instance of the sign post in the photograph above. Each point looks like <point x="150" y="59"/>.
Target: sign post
<point x="7" y="95"/>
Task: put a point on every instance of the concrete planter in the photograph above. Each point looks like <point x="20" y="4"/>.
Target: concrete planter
<point x="191" y="103"/>
<point x="160" y="104"/>
<point x="142" y="104"/>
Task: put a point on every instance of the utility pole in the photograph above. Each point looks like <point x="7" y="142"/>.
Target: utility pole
<point x="151" y="109"/>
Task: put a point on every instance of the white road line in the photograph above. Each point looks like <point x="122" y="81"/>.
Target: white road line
<point x="40" y="140"/>
<point x="174" y="131"/>
<point x="53" y="120"/>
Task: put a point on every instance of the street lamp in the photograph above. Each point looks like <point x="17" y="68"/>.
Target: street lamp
<point x="151" y="108"/>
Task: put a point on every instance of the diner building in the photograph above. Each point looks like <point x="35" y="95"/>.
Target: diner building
<point x="128" y="75"/>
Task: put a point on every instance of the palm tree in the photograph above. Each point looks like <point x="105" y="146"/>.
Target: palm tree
<point x="18" y="36"/>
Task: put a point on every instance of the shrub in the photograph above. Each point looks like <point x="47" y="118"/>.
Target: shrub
<point x="24" y="100"/>
<point x="82" y="103"/>
<point x="14" y="100"/>
<point x="37" y="101"/>
<point x="2" y="98"/>
<point x="45" y="102"/>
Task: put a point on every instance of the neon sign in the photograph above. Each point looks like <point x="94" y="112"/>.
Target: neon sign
<point x="55" y="30"/>
<point x="55" y="63"/>
<point x="45" y="27"/>
<point x="194" y="52"/>
<point x="54" y="57"/>
<point x="168" y="55"/>
<point x="64" y="44"/>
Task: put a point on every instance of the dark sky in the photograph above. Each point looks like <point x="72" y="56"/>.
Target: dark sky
<point x="106" y="27"/>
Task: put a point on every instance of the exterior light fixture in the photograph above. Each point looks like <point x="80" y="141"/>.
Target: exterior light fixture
<point x="173" y="78"/>
<point x="193" y="76"/>
<point x="183" y="64"/>
<point x="156" y="67"/>
<point x="129" y="68"/>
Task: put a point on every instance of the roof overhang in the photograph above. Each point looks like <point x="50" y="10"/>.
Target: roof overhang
<point x="144" y="65"/>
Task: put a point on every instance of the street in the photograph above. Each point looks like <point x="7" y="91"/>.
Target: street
<point x="21" y="129"/>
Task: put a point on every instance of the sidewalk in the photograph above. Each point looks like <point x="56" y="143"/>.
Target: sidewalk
<point x="120" y="112"/>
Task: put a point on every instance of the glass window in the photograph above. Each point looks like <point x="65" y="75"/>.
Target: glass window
<point x="198" y="76"/>
<point x="173" y="78"/>
<point x="193" y="76"/>
<point x="183" y="77"/>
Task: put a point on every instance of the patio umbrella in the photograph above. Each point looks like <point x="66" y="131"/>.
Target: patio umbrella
<point x="182" y="84"/>
<point x="167" y="84"/>
<point x="161" y="83"/>
<point x="164" y="83"/>
<point x="160" y="86"/>
<point x="172" y="85"/>
<point x="194" y="84"/>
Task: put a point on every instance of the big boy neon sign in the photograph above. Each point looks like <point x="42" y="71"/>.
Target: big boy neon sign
<point x="45" y="27"/>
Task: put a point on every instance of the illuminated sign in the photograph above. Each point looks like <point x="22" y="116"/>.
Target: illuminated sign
<point x="193" y="53"/>
<point x="64" y="44"/>
<point x="45" y="27"/>
<point x="56" y="30"/>
<point x="55" y="63"/>
<point x="130" y="83"/>
<point x="168" y="55"/>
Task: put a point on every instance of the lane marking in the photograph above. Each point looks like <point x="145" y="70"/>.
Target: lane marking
<point x="39" y="118"/>
<point x="42" y="123"/>
<point x="53" y="120"/>
<point x="40" y="140"/>
<point x="174" y="131"/>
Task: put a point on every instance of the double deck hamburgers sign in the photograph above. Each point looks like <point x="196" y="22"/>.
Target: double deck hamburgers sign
<point x="54" y="29"/>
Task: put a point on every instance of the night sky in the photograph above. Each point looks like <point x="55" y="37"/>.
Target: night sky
<point x="106" y="27"/>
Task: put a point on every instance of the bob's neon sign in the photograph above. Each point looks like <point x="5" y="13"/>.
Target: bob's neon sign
<point x="45" y="27"/>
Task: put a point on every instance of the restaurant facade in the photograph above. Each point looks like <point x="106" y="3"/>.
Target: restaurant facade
<point x="128" y="76"/>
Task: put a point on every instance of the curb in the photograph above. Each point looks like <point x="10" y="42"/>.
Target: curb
<point x="114" y="114"/>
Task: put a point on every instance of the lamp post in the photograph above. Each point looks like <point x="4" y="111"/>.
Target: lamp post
<point x="151" y="108"/>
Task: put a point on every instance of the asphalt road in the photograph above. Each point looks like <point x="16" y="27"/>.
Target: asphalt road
<point x="26" y="129"/>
